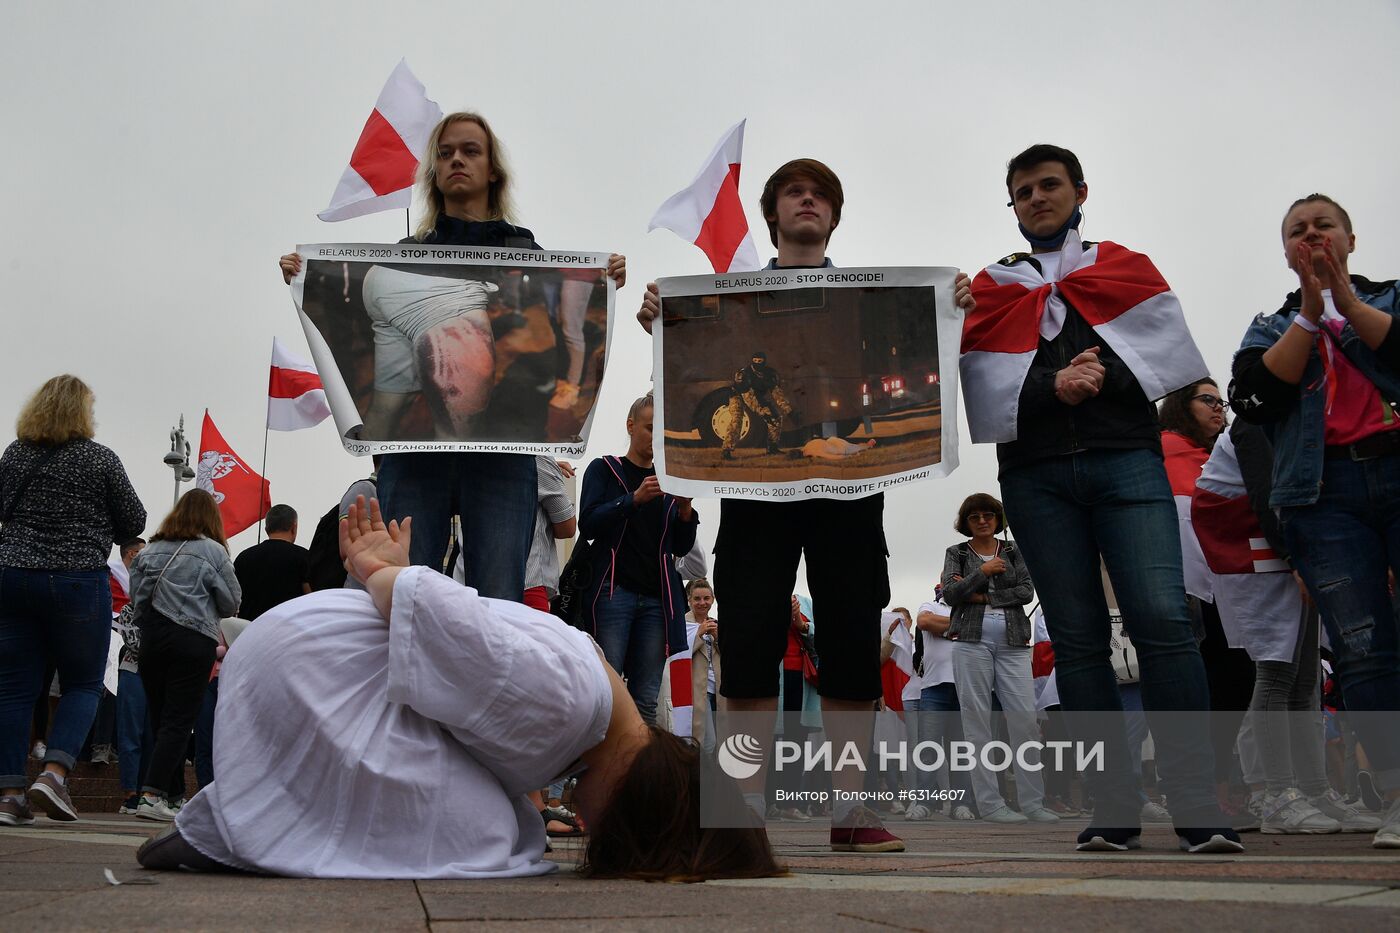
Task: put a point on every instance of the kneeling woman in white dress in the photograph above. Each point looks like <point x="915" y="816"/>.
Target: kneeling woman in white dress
<point x="395" y="733"/>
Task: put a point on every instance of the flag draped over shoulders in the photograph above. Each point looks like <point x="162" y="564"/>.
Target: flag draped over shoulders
<point x="1117" y="291"/>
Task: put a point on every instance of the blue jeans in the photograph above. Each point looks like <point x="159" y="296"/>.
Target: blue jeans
<point x="495" y="497"/>
<point x="58" y="617"/>
<point x="940" y="721"/>
<point x="1342" y="545"/>
<point x="631" y="630"/>
<point x="133" y="730"/>
<point x="1068" y="513"/>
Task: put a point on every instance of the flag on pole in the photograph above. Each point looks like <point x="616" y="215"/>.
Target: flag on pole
<point x="243" y="495"/>
<point x="381" y="170"/>
<point x="295" y="397"/>
<point x="709" y="214"/>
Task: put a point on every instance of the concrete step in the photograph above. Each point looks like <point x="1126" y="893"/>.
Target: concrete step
<point x="96" y="788"/>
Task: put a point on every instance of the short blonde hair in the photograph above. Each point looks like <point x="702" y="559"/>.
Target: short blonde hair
<point x="498" y="199"/>
<point x="59" y="412"/>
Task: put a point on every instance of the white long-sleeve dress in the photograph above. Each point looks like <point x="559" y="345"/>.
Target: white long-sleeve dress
<point x="348" y="748"/>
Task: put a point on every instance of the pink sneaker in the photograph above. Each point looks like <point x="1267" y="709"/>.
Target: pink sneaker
<point x="862" y="831"/>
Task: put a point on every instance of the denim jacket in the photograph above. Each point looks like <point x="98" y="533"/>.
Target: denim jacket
<point x="1010" y="592"/>
<point x="197" y="590"/>
<point x="1294" y="416"/>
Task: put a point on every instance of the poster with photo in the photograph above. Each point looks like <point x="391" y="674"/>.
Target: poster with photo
<point x="426" y="347"/>
<point x="788" y="384"/>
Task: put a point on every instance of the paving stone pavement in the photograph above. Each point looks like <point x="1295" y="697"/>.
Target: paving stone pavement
<point x="981" y="877"/>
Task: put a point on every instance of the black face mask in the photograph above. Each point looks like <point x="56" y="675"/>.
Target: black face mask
<point x="1056" y="239"/>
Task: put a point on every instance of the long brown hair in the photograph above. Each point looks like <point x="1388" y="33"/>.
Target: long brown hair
<point x="195" y="514"/>
<point x="650" y="831"/>
<point x="1175" y="413"/>
<point x="59" y="412"/>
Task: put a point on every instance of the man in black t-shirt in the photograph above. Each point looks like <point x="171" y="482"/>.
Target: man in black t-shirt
<point x="275" y="570"/>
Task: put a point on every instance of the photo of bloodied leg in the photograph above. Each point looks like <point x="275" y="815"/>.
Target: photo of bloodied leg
<point x="431" y="335"/>
<point x="575" y="291"/>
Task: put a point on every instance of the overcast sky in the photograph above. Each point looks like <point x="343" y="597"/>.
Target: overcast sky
<point x="159" y="157"/>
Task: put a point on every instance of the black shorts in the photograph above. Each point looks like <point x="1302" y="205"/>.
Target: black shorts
<point x="756" y="555"/>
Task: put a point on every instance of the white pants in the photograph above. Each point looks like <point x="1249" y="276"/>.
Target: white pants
<point x="979" y="668"/>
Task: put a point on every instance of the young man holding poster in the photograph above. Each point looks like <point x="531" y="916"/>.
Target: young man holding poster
<point x="1061" y="360"/>
<point x="759" y="545"/>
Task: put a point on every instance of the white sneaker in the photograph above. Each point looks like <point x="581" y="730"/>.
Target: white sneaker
<point x="962" y="813"/>
<point x="1388" y="836"/>
<point x="897" y="808"/>
<point x="1154" y="812"/>
<point x="917" y="811"/>
<point x="1351" y="819"/>
<point x="1289" y="813"/>
<point x="157" y="810"/>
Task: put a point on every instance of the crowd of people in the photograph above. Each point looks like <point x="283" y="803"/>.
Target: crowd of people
<point x="409" y="724"/>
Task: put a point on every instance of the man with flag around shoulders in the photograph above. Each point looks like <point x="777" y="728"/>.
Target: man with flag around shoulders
<point x="759" y="545"/>
<point x="1067" y="348"/>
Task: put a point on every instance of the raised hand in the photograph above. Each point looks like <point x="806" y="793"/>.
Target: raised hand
<point x="617" y="269"/>
<point x="651" y="307"/>
<point x="290" y="265"/>
<point x="1310" y="282"/>
<point x="962" y="293"/>
<point x="367" y="545"/>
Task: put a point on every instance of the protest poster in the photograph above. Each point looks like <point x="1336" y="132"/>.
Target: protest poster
<point x="789" y="384"/>
<point x="425" y="347"/>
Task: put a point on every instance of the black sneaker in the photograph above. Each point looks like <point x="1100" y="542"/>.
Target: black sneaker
<point x="1369" y="795"/>
<point x="1205" y="841"/>
<point x="1109" y="839"/>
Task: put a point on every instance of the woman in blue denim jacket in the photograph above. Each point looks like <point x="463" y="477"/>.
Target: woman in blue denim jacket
<point x="182" y="585"/>
<point x="1323" y="373"/>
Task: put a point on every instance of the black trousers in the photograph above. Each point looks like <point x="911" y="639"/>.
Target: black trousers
<point x="175" y="663"/>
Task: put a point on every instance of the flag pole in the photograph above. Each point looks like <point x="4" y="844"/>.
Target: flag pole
<point x="267" y="423"/>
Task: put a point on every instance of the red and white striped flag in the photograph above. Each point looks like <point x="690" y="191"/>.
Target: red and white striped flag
<point x="243" y="496"/>
<point x="709" y="214"/>
<point x="1232" y="540"/>
<point x="295" y="397"/>
<point x="1184" y="461"/>
<point x="1118" y="292"/>
<point x="385" y="160"/>
<point x="682" y="698"/>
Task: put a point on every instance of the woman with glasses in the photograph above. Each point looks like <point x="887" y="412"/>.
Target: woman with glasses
<point x="1324" y="372"/>
<point x="986" y="583"/>
<point x="1192" y="418"/>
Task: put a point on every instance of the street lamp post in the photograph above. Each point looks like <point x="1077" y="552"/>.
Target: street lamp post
<point x="178" y="457"/>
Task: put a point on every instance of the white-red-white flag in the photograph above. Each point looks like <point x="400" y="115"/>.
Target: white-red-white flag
<point x="1118" y="292"/>
<point x="296" y="399"/>
<point x="382" y="167"/>
<point x="243" y="496"/>
<point x="709" y="213"/>
<point x="682" y="699"/>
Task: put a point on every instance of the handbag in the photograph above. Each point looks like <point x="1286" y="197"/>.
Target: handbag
<point x="573" y="584"/>
<point x="809" y="658"/>
<point x="126" y="623"/>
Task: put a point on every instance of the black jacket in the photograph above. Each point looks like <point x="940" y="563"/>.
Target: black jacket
<point x="450" y="231"/>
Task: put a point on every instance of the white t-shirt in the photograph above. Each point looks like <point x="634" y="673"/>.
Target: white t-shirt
<point x="938" y="651"/>
<point x="997" y="617"/>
